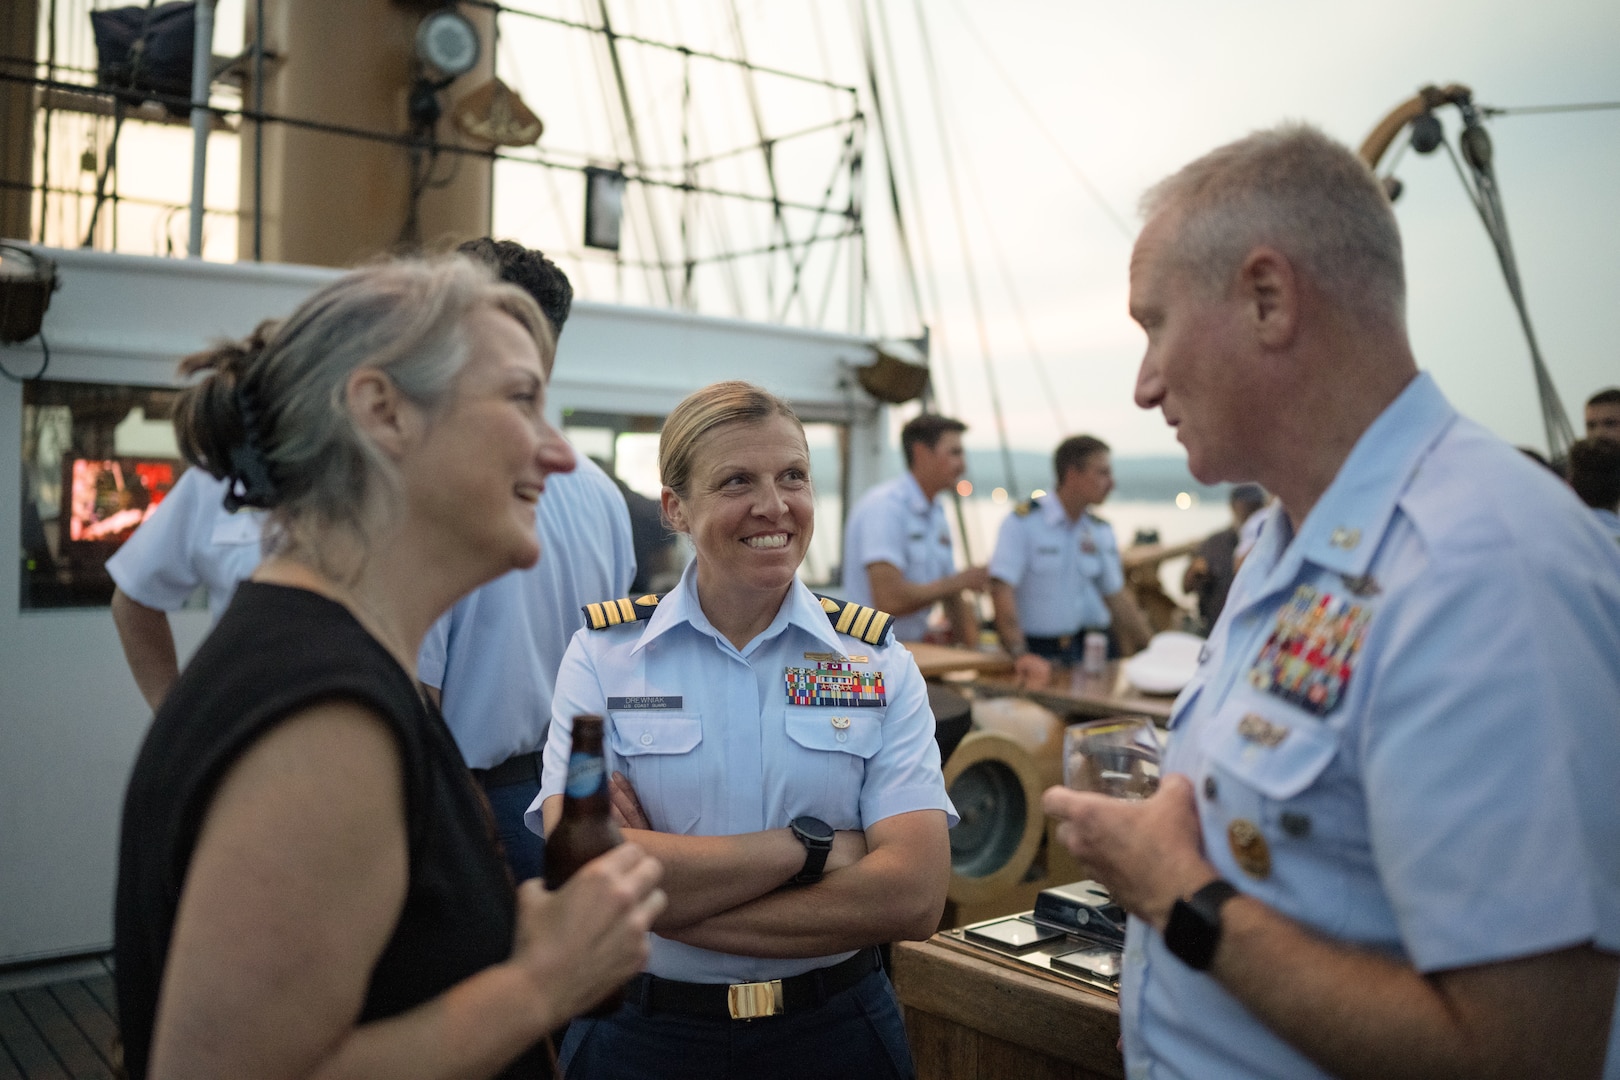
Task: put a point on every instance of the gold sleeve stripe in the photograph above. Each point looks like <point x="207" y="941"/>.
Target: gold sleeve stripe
<point x="627" y="611"/>
<point x="611" y="610"/>
<point x="598" y="619"/>
<point x="850" y="611"/>
<point x="859" y="627"/>
<point x="874" y="633"/>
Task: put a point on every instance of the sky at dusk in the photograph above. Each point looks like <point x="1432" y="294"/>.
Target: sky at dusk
<point x="1058" y="115"/>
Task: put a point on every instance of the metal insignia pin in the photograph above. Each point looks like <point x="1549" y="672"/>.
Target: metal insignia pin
<point x="1345" y="538"/>
<point x="1249" y="848"/>
<point x="1362" y="584"/>
<point x="840" y="722"/>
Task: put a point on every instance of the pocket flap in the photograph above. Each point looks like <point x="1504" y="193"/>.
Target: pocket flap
<point x="654" y="732"/>
<point x="845" y="731"/>
<point x="1278" y="755"/>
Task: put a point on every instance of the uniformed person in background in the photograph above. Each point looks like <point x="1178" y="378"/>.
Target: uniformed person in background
<point x="1056" y="575"/>
<point x="1386" y="842"/>
<point x="897" y="543"/>
<point x="491" y="660"/>
<point x="777" y="755"/>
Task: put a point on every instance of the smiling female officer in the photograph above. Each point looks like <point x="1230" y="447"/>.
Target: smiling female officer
<point x="778" y="757"/>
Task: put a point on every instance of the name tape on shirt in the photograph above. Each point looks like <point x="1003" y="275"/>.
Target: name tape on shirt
<point x="639" y="704"/>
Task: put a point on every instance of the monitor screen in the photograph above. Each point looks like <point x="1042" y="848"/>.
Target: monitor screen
<point x="109" y="497"/>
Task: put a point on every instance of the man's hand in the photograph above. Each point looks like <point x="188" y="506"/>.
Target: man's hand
<point x="1032" y="671"/>
<point x="1149" y="854"/>
<point x="975" y="578"/>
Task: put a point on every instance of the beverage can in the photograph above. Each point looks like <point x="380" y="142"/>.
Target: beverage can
<point x="1094" y="653"/>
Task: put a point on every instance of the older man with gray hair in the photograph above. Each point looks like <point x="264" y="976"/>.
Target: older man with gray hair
<point x="1386" y="843"/>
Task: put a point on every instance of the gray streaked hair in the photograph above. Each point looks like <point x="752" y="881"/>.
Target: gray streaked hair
<point x="1299" y="191"/>
<point x="278" y="399"/>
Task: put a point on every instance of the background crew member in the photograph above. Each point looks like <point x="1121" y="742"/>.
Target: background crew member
<point x="1603" y="414"/>
<point x="493" y="657"/>
<point x="897" y="544"/>
<point x="191" y="539"/>
<point x="1209" y="574"/>
<point x="307" y="883"/>
<point x="787" y="778"/>
<point x="1056" y="573"/>
<point x="1399" y="751"/>
<point x="1594" y="473"/>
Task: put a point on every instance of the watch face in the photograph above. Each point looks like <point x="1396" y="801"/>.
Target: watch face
<point x="814" y="828"/>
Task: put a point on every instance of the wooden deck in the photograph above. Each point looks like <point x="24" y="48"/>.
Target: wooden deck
<point x="58" y="1022"/>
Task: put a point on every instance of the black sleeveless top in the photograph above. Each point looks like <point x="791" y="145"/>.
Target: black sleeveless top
<point x="276" y="651"/>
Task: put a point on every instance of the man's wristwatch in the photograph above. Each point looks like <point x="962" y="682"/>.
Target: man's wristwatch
<point x="1194" y="929"/>
<point x="817" y="837"/>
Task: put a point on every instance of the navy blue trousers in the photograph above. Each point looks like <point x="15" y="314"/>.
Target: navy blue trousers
<point x="854" y="1035"/>
<point x="525" y="851"/>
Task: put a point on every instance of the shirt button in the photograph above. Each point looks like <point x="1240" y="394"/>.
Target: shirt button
<point x="646" y="738"/>
<point x="843" y="736"/>
<point x="1295" y="824"/>
<point x="1211" y="789"/>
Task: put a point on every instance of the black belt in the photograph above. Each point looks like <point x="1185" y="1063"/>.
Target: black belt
<point x="750" y="1001"/>
<point x="514" y="770"/>
<point x="1053" y="646"/>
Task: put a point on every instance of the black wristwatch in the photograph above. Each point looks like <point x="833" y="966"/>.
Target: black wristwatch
<point x="1194" y="929"/>
<point x="817" y="837"/>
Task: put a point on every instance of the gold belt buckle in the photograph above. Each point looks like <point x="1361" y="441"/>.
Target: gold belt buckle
<point x="748" y="1001"/>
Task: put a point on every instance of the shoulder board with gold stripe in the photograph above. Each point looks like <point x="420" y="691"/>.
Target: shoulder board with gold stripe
<point x="857" y="620"/>
<point x="1023" y="508"/>
<point x="618" y="612"/>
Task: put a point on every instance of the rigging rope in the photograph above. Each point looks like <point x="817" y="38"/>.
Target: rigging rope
<point x="930" y="279"/>
<point x="1487" y="202"/>
<point x="1085" y="181"/>
<point x="634" y="136"/>
<point x="1529" y="110"/>
<point x="967" y="252"/>
<point x="888" y="157"/>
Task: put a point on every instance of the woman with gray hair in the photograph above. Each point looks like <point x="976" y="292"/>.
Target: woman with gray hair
<point x="308" y="883"/>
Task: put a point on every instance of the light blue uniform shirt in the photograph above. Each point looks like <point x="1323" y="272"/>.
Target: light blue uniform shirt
<point x="706" y="736"/>
<point x="1609" y="520"/>
<point x="1059" y="569"/>
<point x="190" y="540"/>
<point x="894" y="522"/>
<point x="1450" y="800"/>
<point x="494" y="655"/>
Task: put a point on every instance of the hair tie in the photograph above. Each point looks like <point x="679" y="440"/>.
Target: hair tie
<point x="249" y="480"/>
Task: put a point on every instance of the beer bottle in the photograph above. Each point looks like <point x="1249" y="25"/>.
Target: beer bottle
<point x="586" y="828"/>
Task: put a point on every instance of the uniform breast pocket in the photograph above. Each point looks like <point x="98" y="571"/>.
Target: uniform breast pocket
<point x="1046" y="560"/>
<point x="832" y="746"/>
<point x="657" y="751"/>
<point x="1290" y="807"/>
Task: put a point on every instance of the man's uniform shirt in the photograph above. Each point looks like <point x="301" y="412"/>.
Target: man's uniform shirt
<point x="894" y="522"/>
<point x="1060" y="570"/>
<point x="1405" y="731"/>
<point x="494" y="655"/>
<point x="190" y="540"/>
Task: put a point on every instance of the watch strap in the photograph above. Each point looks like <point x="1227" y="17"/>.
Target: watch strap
<point x="1194" y="931"/>
<point x="815" y="856"/>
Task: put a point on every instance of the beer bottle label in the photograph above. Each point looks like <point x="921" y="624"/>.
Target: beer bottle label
<point x="585" y="775"/>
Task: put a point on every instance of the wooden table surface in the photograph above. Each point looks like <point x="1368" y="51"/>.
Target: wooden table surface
<point x="936" y="660"/>
<point x="1071" y="691"/>
<point x="973" y="1016"/>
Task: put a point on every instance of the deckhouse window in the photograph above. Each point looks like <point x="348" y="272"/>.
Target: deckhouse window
<point x="96" y="461"/>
